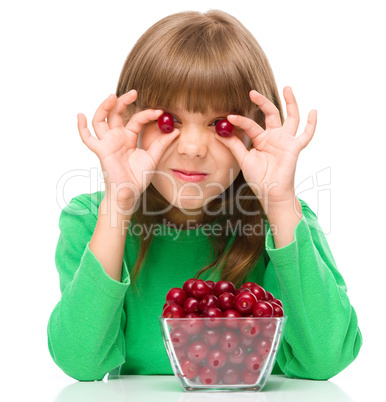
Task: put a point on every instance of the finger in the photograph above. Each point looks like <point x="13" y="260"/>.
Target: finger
<point x="160" y="145"/>
<point x="99" y="121"/>
<point x="90" y="141"/>
<point x="114" y="118"/>
<point x="272" y="115"/>
<point x="236" y="146"/>
<point x="305" y="138"/>
<point x="249" y="126"/>
<point x="292" y="120"/>
<point x="138" y="120"/>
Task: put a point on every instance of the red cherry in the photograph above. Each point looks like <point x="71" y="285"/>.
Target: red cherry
<point x="238" y="355"/>
<point x="229" y="341"/>
<point x="268" y="329"/>
<point x="250" y="327"/>
<point x="197" y="351"/>
<point x="173" y="311"/>
<point x="254" y="362"/>
<point x="247" y="342"/>
<point x="248" y="285"/>
<point x="257" y="290"/>
<point x="176" y="295"/>
<point x="230" y="375"/>
<point x="166" y="123"/>
<point x="216" y="359"/>
<point x="200" y="288"/>
<point x="187" y="286"/>
<point x="226" y="300"/>
<point x="189" y="369"/>
<point x="248" y="377"/>
<point x="179" y="338"/>
<point x="229" y="314"/>
<point x="180" y="353"/>
<point x="211" y="336"/>
<point x="223" y="286"/>
<point x="214" y="313"/>
<point x="269" y="295"/>
<point x="192" y="326"/>
<point x="208" y="301"/>
<point x="263" y="346"/>
<point x="277" y="309"/>
<point x="240" y="290"/>
<point x="262" y="309"/>
<point x="192" y="315"/>
<point x="277" y="301"/>
<point x="191" y="305"/>
<point x="211" y="284"/>
<point x="224" y="128"/>
<point x="207" y="375"/>
<point x="244" y="302"/>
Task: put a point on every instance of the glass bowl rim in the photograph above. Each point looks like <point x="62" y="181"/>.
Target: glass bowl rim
<point x="284" y="317"/>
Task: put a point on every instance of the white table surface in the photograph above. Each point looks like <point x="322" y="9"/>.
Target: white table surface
<point x="167" y="388"/>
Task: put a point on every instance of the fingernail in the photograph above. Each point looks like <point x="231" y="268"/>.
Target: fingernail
<point x="232" y="116"/>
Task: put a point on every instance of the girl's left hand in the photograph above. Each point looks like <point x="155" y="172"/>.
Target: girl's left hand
<point x="269" y="166"/>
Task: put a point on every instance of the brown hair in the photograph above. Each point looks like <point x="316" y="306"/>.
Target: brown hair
<point x="199" y="61"/>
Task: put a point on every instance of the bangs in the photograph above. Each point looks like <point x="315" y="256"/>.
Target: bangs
<point x="196" y="70"/>
<point x="195" y="85"/>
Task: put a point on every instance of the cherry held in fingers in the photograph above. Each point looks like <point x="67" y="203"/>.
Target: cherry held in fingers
<point x="166" y="123"/>
<point x="224" y="128"/>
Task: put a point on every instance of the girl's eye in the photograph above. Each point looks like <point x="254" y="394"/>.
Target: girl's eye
<point x="175" y="120"/>
<point x="215" y="122"/>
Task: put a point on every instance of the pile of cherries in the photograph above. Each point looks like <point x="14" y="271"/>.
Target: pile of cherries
<point x="217" y="350"/>
<point x="166" y="124"/>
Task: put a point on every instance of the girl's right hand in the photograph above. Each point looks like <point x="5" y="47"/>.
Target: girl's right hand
<point x="128" y="170"/>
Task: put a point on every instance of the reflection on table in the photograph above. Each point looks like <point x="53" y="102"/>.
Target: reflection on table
<point x="166" y="388"/>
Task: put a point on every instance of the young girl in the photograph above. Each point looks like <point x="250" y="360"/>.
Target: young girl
<point x="231" y="214"/>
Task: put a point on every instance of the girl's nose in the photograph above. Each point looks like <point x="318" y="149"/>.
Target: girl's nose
<point x="192" y="142"/>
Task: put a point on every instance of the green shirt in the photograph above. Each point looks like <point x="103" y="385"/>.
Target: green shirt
<point x="104" y="326"/>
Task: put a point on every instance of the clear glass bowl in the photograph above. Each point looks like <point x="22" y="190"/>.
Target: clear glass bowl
<point x="222" y="354"/>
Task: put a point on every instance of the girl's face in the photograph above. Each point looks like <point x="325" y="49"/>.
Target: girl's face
<point x="194" y="150"/>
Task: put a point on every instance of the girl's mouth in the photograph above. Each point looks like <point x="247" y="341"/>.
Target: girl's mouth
<point x="189" y="176"/>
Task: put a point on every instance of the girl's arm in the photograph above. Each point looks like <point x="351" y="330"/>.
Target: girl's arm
<point x="322" y="336"/>
<point x="85" y="329"/>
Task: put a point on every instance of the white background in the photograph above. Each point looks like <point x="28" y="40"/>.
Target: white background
<point x="61" y="58"/>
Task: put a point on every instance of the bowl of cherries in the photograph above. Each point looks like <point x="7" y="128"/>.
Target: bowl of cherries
<point x="219" y="338"/>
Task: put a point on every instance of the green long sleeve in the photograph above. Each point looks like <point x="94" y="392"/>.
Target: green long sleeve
<point x="85" y="334"/>
<point x="322" y="336"/>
